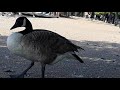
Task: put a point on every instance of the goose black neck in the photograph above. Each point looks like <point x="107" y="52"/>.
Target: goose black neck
<point x="28" y="29"/>
<point x="29" y="26"/>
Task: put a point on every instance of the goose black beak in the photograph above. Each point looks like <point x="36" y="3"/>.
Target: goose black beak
<point x="13" y="27"/>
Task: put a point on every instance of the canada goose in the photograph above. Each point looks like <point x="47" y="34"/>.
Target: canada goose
<point x="39" y="45"/>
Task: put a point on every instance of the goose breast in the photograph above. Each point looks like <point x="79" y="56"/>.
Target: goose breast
<point x="13" y="43"/>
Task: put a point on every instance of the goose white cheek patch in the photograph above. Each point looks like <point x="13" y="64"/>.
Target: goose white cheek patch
<point x="24" y="23"/>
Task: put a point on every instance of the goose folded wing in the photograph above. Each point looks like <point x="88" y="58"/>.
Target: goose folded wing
<point x="46" y="40"/>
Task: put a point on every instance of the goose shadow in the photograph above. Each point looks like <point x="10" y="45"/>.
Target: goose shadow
<point x="101" y="60"/>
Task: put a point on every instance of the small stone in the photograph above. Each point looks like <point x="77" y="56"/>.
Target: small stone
<point x="7" y="57"/>
<point x="103" y="58"/>
<point x="117" y="55"/>
<point x="87" y="43"/>
<point x="9" y="71"/>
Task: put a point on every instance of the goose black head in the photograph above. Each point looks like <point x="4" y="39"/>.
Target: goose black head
<point x="22" y="22"/>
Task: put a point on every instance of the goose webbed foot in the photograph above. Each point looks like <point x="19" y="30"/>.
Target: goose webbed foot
<point x="23" y="73"/>
<point x="17" y="76"/>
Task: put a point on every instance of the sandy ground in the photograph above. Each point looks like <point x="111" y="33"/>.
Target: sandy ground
<point x="100" y="40"/>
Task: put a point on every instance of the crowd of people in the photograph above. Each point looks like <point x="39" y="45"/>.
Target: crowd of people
<point x="108" y="17"/>
<point x="105" y="17"/>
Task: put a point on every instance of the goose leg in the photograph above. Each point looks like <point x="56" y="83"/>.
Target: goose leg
<point x="43" y="70"/>
<point x="23" y="73"/>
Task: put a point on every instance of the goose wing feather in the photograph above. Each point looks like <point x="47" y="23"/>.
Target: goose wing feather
<point x="42" y="40"/>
